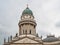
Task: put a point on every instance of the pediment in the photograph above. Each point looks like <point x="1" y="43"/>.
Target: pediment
<point x="26" y="40"/>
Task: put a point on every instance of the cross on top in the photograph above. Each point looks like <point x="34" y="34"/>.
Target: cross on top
<point x="27" y="5"/>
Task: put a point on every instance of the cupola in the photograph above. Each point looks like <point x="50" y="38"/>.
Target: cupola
<point x="27" y="11"/>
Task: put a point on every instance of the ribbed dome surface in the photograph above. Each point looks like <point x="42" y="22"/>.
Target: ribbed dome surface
<point x="27" y="11"/>
<point x="50" y="39"/>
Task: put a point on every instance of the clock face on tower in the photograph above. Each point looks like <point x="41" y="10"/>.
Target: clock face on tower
<point x="27" y="17"/>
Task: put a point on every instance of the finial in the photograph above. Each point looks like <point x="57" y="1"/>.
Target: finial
<point x="11" y="38"/>
<point x="8" y="39"/>
<point x="37" y="35"/>
<point x="27" y="5"/>
<point x="41" y="36"/>
<point x="16" y="34"/>
<point x="50" y="35"/>
<point x="4" y="40"/>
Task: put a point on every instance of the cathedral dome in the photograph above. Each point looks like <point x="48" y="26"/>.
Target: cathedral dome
<point x="50" y="39"/>
<point x="27" y="11"/>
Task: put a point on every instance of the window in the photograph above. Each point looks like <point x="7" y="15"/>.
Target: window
<point x="34" y="26"/>
<point x="23" y="31"/>
<point x="30" y="31"/>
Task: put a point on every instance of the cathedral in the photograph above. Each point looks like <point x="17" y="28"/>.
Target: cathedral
<point x="27" y="32"/>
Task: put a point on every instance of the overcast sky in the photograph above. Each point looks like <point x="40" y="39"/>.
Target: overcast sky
<point x="46" y="12"/>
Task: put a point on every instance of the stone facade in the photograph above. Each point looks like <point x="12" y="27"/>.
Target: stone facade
<point x="27" y="33"/>
<point x="27" y="25"/>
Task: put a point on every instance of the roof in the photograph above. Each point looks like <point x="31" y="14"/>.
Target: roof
<point x="50" y="39"/>
<point x="27" y="11"/>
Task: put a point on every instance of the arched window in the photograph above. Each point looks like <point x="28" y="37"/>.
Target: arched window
<point x="34" y="26"/>
<point x="30" y="31"/>
<point x="23" y="31"/>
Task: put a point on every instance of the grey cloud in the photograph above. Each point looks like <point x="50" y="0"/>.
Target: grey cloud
<point x="57" y="24"/>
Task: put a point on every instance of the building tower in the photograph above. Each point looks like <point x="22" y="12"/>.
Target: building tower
<point x="27" y="33"/>
<point x="27" y="24"/>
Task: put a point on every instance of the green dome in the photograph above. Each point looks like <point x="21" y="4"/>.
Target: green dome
<point x="27" y="11"/>
<point x="50" y="39"/>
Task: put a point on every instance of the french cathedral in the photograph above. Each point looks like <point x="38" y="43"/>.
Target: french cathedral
<point x="27" y="32"/>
